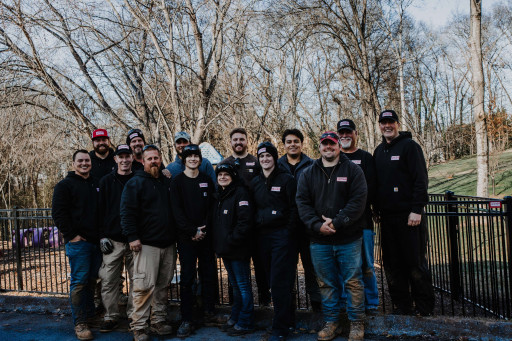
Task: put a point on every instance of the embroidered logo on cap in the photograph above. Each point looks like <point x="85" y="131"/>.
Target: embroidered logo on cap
<point x="243" y="203"/>
<point x="344" y="123"/>
<point x="357" y="162"/>
<point x="341" y="179"/>
<point x="387" y="114"/>
<point x="134" y="135"/>
<point x="262" y="150"/>
<point x="275" y="189"/>
<point x="395" y="157"/>
<point x="203" y="184"/>
<point x="100" y="132"/>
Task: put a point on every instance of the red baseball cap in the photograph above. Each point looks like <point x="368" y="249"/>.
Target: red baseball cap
<point x="329" y="135"/>
<point x="99" y="133"/>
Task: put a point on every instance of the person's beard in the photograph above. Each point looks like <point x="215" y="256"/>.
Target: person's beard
<point x="346" y="143"/>
<point x="98" y="149"/>
<point x="154" y="170"/>
<point x="242" y="152"/>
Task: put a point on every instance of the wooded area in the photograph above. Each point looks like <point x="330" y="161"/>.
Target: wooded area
<point x="69" y="66"/>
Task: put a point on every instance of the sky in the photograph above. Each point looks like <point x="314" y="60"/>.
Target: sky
<point x="437" y="13"/>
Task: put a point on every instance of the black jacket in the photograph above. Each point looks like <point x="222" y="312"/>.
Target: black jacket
<point x="192" y="204"/>
<point x="145" y="210"/>
<point x="305" y="162"/>
<point x="101" y="167"/>
<point x="367" y="163"/>
<point x="248" y="167"/>
<point x="232" y="222"/>
<point x="340" y="195"/>
<point x="74" y="207"/>
<point x="401" y="176"/>
<point x="275" y="201"/>
<point x="111" y="188"/>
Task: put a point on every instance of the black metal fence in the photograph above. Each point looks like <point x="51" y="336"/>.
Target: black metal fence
<point x="470" y="256"/>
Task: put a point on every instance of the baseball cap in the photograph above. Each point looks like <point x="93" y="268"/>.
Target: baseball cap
<point x="388" y="115"/>
<point x="329" y="135"/>
<point x="99" y="133"/>
<point x="182" y="135"/>
<point x="346" y="124"/>
<point x="123" y="148"/>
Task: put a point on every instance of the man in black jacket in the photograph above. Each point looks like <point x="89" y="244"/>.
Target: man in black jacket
<point x="401" y="198"/>
<point x="295" y="161"/>
<point x="74" y="210"/>
<point x="348" y="140"/>
<point x="192" y="207"/>
<point x="147" y="222"/>
<point x="102" y="157"/>
<point x="331" y="198"/>
<point x="276" y="222"/>
<point x="113" y="244"/>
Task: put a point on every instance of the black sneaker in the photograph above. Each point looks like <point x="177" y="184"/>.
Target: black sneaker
<point x="184" y="330"/>
<point x="108" y="326"/>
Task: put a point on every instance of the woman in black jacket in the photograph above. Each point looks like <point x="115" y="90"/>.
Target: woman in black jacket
<point x="232" y="223"/>
<point x="276" y="218"/>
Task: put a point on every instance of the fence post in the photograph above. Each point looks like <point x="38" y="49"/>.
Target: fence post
<point x="452" y="221"/>
<point x="508" y="217"/>
<point x="17" y="238"/>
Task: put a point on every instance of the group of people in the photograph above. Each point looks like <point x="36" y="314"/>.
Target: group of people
<point x="122" y="208"/>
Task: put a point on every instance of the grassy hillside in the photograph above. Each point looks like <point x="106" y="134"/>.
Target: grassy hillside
<point x="459" y="176"/>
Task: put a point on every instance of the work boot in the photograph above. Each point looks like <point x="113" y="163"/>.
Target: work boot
<point x="356" y="331"/>
<point x="108" y="326"/>
<point x="140" y="335"/>
<point x="161" y="328"/>
<point x="329" y="331"/>
<point x="228" y="325"/>
<point x="184" y="330"/>
<point x="83" y="332"/>
<point x="239" y="331"/>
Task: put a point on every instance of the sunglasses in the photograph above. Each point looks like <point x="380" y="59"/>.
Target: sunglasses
<point x="331" y="135"/>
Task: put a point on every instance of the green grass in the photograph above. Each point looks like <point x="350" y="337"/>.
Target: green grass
<point x="459" y="176"/>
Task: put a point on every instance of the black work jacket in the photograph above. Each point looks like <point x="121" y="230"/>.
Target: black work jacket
<point x="232" y="222"/>
<point x="146" y="210"/>
<point x="340" y="195"/>
<point x="402" y="178"/>
<point x="74" y="207"/>
<point x="101" y="167"/>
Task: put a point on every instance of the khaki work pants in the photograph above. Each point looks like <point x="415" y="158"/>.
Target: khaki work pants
<point x="153" y="269"/>
<point x="110" y="273"/>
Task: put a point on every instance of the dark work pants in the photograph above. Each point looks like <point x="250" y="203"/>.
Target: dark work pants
<point x="190" y="253"/>
<point x="278" y="251"/>
<point x="260" y="275"/>
<point x="404" y="256"/>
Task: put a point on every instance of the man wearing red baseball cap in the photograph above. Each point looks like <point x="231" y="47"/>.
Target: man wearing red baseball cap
<point x="102" y="157"/>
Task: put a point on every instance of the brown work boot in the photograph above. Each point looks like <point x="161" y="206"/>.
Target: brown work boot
<point x="83" y="332"/>
<point x="329" y="331"/>
<point x="356" y="331"/>
<point x="161" y="328"/>
<point x="140" y="335"/>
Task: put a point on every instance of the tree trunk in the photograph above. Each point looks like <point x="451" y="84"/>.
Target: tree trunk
<point x="482" y="155"/>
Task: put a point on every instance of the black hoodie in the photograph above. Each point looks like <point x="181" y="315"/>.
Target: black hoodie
<point x="101" y="167"/>
<point x="74" y="207"/>
<point x="111" y="188"/>
<point x="401" y="176"/>
<point x="339" y="195"/>
<point x="146" y="210"/>
<point x="232" y="221"/>
<point x="275" y="201"/>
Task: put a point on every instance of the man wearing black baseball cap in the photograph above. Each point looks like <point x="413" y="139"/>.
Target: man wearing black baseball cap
<point x="348" y="141"/>
<point x="135" y="139"/>
<point x="402" y="194"/>
<point x="113" y="244"/>
<point x="331" y="198"/>
<point x="102" y="157"/>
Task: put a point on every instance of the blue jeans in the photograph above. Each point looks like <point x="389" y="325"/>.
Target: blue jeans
<point x="239" y="274"/>
<point x="371" y="289"/>
<point x="331" y="263"/>
<point x="85" y="261"/>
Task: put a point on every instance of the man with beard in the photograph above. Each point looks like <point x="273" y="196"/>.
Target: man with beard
<point x="402" y="194"/>
<point x="102" y="157"/>
<point x="135" y="139"/>
<point x="113" y="244"/>
<point x="181" y="140"/>
<point x="74" y="210"/>
<point x="192" y="208"/>
<point x="295" y="161"/>
<point x="348" y="139"/>
<point x="248" y="167"/>
<point x="148" y="225"/>
<point x="331" y="197"/>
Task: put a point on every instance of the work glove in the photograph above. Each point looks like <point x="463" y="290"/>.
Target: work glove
<point x="106" y="246"/>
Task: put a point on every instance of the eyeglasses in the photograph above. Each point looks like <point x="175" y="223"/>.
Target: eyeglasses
<point x="150" y="146"/>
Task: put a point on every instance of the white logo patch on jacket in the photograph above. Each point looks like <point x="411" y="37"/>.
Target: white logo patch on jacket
<point x="341" y="179"/>
<point x="275" y="189"/>
<point x="357" y="162"/>
<point x="203" y="184"/>
<point x="395" y="157"/>
<point x="243" y="203"/>
<point x="250" y="163"/>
